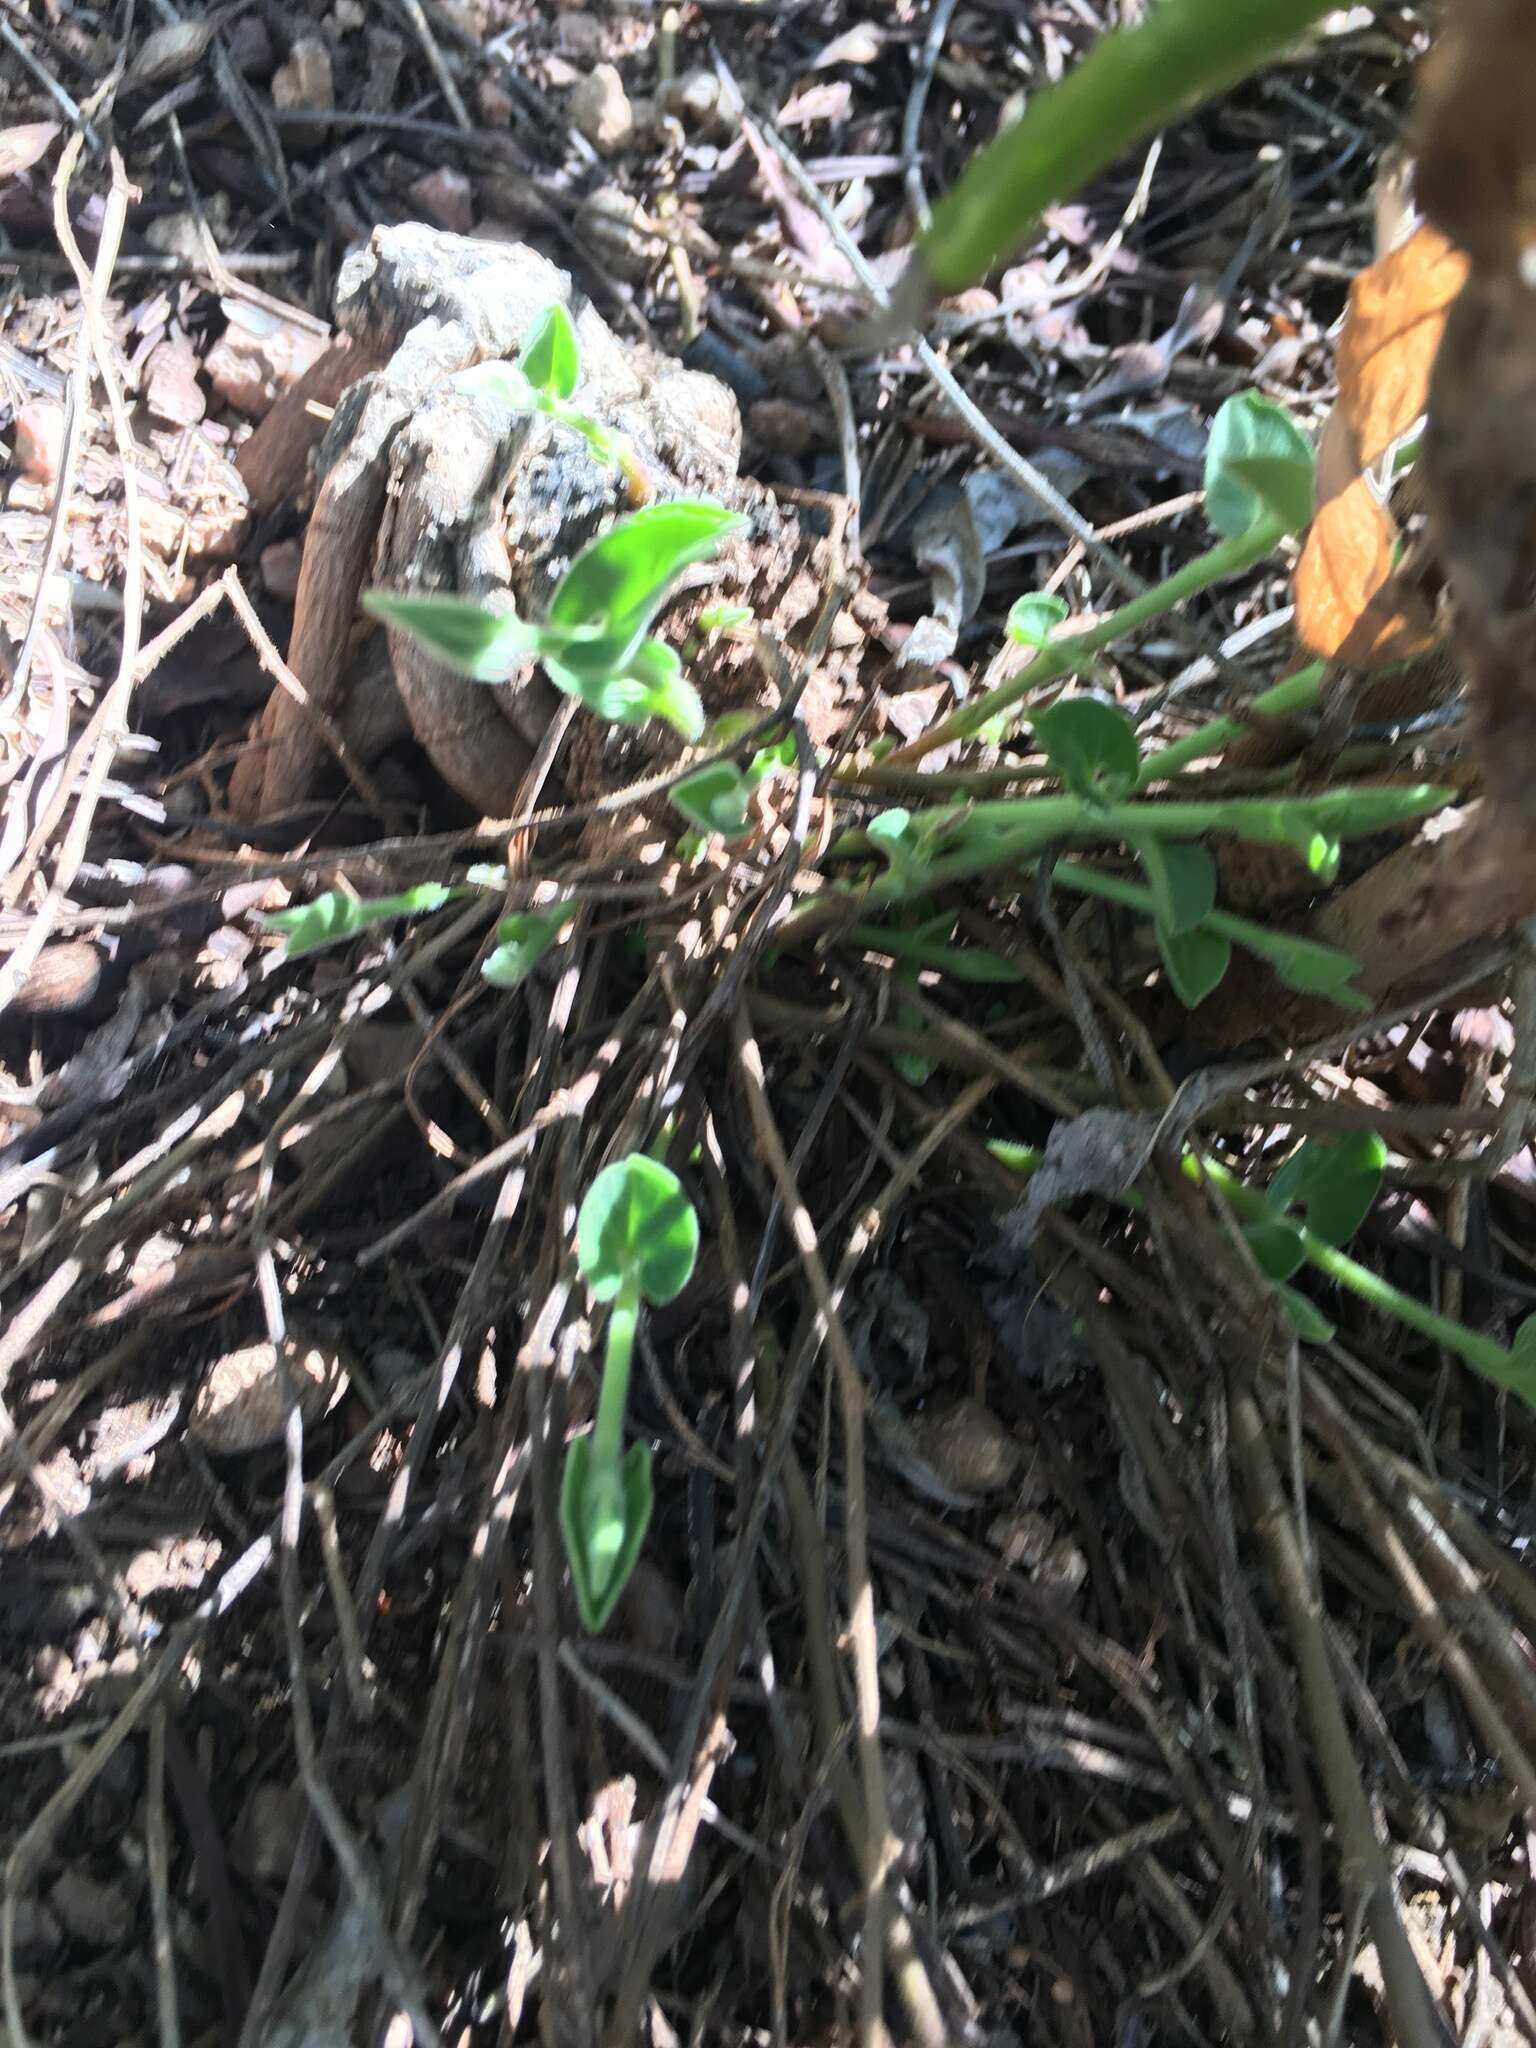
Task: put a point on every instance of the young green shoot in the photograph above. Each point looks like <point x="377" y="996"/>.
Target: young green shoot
<point x="593" y="642"/>
<point x="336" y="915"/>
<point x="1258" y="482"/>
<point x="544" y="380"/>
<point x="637" y="1238"/>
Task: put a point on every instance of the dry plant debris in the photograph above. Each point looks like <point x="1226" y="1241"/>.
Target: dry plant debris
<point x="1034" y="1642"/>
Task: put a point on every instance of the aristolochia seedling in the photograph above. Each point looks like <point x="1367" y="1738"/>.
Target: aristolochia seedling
<point x="636" y="1241"/>
<point x="336" y="915"/>
<point x="544" y="379"/>
<point x="593" y="641"/>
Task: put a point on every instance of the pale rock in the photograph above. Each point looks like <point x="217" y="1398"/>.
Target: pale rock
<point x="446" y="199"/>
<point x="781" y="426"/>
<point x="581" y="35"/>
<point x="1062" y="1572"/>
<point x="169" y="386"/>
<point x="1022" y="1538"/>
<point x="100" y="1915"/>
<point x="251" y="371"/>
<point x="241" y="1405"/>
<point x="305" y="83"/>
<point x="970" y="1449"/>
<point x="280" y="569"/>
<point x="250" y="47"/>
<point x="274" y="1820"/>
<point x="599" y="109"/>
<point x="697" y="100"/>
<point x="37" y="440"/>
<point x="180" y="234"/>
<point x="616" y="223"/>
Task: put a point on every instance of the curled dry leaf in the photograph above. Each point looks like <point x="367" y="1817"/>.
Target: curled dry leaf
<point x="1392" y="331"/>
<point x="21" y="148"/>
<point x="1348" y="605"/>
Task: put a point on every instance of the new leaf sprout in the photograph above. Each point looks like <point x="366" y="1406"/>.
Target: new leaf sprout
<point x="637" y="1238"/>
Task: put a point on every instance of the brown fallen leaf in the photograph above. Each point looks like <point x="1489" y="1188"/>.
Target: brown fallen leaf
<point x="21" y="148"/>
<point x="1392" y="331"/>
<point x="1349" y="606"/>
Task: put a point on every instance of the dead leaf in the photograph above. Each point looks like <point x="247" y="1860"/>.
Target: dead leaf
<point x="1099" y="1152"/>
<point x="1347" y="605"/>
<point x="1391" y="335"/>
<point x="168" y="53"/>
<point x="1475" y="143"/>
<point x="860" y="44"/>
<point x="21" y="148"/>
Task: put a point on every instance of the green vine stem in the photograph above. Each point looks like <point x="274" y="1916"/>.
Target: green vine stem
<point x="1062" y="657"/>
<point x="1495" y="1362"/>
<point x="1515" y="1369"/>
<point x="603" y="1496"/>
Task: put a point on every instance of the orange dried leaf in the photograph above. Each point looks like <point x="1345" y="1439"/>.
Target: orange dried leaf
<point x="1347" y="606"/>
<point x="1396" y="316"/>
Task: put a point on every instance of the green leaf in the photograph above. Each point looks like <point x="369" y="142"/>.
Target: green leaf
<point x="1196" y="962"/>
<point x="1128" y="85"/>
<point x="503" y="381"/>
<point x="1091" y="746"/>
<point x="651" y="685"/>
<point x="602" y="1543"/>
<point x="668" y="695"/>
<point x="616" y="586"/>
<point x="1313" y="969"/>
<point x="1182" y="879"/>
<point x="549" y="358"/>
<point x="895" y="834"/>
<point x="1336" y="1180"/>
<point x="1277" y="1246"/>
<point x="1310" y="1324"/>
<point x="1021" y="1159"/>
<point x="769" y="761"/>
<point x="488" y="646"/>
<point x="1034" y="617"/>
<point x="724" y="618"/>
<point x="1522" y="1361"/>
<point x="520" y="941"/>
<point x="636" y="1221"/>
<point x="716" y="798"/>
<point x="1258" y="464"/>
<point x="335" y="915"/>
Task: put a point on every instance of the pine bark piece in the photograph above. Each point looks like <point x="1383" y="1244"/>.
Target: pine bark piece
<point x="432" y="304"/>
<point x="431" y="481"/>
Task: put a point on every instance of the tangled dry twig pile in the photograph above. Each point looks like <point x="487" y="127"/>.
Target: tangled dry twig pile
<point x="1035" y="1637"/>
